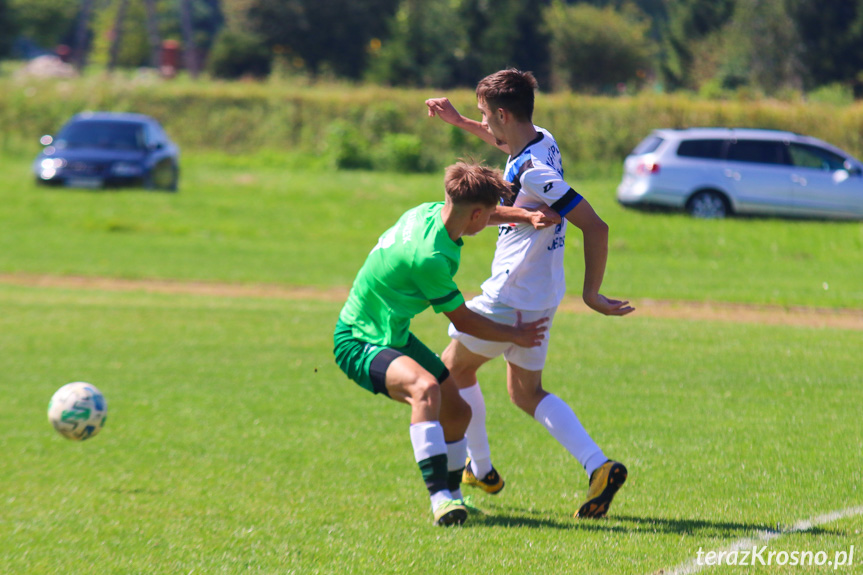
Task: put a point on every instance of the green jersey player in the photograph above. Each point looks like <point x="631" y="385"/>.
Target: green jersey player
<point x="411" y="268"/>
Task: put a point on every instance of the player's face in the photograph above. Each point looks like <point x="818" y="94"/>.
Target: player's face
<point x="491" y="122"/>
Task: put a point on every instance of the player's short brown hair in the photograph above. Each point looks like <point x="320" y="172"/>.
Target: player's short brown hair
<point x="473" y="183"/>
<point x="512" y="90"/>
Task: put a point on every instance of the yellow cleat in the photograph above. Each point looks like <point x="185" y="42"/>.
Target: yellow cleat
<point x="492" y="483"/>
<point x="604" y="483"/>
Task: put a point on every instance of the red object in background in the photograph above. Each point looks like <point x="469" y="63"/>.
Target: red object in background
<point x="64" y="52"/>
<point x="170" y="58"/>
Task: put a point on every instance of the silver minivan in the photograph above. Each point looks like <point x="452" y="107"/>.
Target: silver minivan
<point x="714" y="172"/>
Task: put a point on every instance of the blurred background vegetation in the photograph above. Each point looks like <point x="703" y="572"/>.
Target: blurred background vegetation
<point x="714" y="48"/>
<point x="341" y="82"/>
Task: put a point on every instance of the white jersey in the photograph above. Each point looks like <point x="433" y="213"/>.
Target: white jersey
<point x="527" y="271"/>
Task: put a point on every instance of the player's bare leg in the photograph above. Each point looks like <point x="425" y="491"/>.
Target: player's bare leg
<point x="463" y="365"/>
<point x="408" y="382"/>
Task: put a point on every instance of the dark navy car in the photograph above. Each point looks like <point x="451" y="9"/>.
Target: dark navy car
<point x="107" y="150"/>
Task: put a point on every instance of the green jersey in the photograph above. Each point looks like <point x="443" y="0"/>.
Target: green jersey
<point x="411" y="268"/>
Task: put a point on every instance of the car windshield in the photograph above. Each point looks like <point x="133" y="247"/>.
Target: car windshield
<point x="102" y="135"/>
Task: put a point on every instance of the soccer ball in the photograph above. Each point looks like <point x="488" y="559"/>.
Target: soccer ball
<point x="78" y="410"/>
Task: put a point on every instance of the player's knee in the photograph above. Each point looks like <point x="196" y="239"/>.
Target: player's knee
<point x="426" y="390"/>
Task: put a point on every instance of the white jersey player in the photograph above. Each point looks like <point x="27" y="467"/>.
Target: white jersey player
<point x="527" y="282"/>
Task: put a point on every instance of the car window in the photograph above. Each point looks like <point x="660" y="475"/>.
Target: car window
<point x="757" y="151"/>
<point x="103" y="135"/>
<point x="807" y="156"/>
<point x="648" y="145"/>
<point x="159" y="134"/>
<point x="711" y="149"/>
<point x="152" y="136"/>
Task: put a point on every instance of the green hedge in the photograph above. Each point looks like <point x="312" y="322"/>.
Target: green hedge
<point x="388" y="128"/>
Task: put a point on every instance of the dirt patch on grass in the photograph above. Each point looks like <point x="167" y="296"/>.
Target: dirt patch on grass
<point x="695" y="311"/>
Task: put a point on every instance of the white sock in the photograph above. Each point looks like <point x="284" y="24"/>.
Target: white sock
<point x="428" y="441"/>
<point x="440" y="497"/>
<point x="561" y="422"/>
<point x="456" y="452"/>
<point x="477" y="438"/>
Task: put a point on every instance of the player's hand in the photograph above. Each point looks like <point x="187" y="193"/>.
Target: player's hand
<point x="605" y="306"/>
<point x="544" y="217"/>
<point x="532" y="333"/>
<point x="443" y="109"/>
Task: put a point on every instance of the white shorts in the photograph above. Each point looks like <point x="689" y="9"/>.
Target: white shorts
<point x="529" y="358"/>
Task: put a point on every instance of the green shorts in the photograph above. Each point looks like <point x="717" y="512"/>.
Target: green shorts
<point x="367" y="363"/>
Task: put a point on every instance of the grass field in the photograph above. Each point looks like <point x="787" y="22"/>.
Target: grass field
<point x="251" y="221"/>
<point x="234" y="444"/>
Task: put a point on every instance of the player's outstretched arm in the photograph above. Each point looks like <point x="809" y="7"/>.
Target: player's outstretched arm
<point x="542" y="217"/>
<point x="595" y="233"/>
<point x="443" y="109"/>
<point x="528" y="334"/>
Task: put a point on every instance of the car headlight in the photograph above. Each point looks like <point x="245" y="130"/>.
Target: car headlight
<point x="53" y="163"/>
<point x="48" y="167"/>
<point x="126" y="169"/>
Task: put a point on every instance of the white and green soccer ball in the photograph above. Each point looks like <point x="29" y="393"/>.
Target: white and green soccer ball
<point x="78" y="410"/>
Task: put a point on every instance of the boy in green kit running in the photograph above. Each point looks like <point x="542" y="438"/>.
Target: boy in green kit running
<point x="411" y="268"/>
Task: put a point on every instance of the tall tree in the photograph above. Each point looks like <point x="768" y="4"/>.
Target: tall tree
<point x="153" y="36"/>
<point x="190" y="54"/>
<point x="7" y="29"/>
<point x="832" y="34"/>
<point x="425" y="46"/>
<point x="333" y="35"/>
<point x="504" y="34"/>
<point x="81" y="34"/>
<point x="117" y="34"/>
<point x="690" y="22"/>
<point x="45" y="22"/>
<point x="761" y="48"/>
<point x="595" y="50"/>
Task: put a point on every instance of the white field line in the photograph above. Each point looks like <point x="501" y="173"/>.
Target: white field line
<point x="764" y="537"/>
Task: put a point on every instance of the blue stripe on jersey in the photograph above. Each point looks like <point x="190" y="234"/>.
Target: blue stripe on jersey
<point x="513" y="169"/>
<point x="566" y="203"/>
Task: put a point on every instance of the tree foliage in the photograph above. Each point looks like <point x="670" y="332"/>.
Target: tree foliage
<point x="595" y="49"/>
<point x="831" y="37"/>
<point x="767" y="46"/>
<point x="134" y="49"/>
<point x="237" y="54"/>
<point x="7" y="28"/>
<point x="326" y="34"/>
<point x="426" y="44"/>
<point x="690" y="29"/>
<point x="762" y="48"/>
<point x="45" y="22"/>
<point x="503" y="34"/>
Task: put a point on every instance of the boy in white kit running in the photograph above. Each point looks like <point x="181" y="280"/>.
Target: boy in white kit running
<point x="528" y="279"/>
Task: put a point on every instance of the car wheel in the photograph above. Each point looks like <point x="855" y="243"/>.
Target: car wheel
<point x="708" y="204"/>
<point x="164" y="178"/>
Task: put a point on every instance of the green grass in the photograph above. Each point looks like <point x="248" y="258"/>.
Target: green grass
<point x="250" y="220"/>
<point x="234" y="444"/>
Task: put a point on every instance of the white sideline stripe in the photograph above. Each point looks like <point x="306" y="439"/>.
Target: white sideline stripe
<point x="764" y="536"/>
